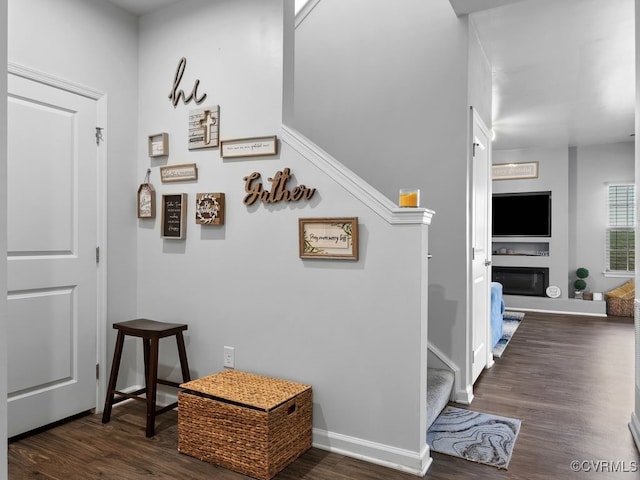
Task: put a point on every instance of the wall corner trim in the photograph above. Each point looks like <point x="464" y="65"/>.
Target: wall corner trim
<point x="306" y="10"/>
<point x="351" y="182"/>
<point x="50" y="80"/>
<point x="416" y="463"/>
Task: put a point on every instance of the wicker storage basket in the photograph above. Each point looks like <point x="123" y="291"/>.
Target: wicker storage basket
<point x="248" y="423"/>
<point x="620" y="300"/>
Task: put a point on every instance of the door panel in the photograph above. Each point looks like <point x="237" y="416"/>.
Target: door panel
<point x="480" y="240"/>
<point x="51" y="266"/>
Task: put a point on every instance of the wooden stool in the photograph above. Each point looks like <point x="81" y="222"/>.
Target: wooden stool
<point x="151" y="332"/>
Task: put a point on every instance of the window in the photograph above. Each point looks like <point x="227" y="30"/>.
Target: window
<point x="621" y="233"/>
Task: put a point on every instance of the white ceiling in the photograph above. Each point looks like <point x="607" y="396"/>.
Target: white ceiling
<point x="563" y="70"/>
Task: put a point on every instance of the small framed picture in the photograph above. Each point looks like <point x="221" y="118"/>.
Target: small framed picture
<point x="174" y="212"/>
<point x="249" y="147"/>
<point x="210" y="208"/>
<point x="328" y="238"/>
<point x="146" y="201"/>
<point x="514" y="171"/>
<point x="159" y="145"/>
<point x="179" y="173"/>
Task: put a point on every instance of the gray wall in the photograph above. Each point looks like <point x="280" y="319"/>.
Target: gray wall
<point x="577" y="178"/>
<point x="592" y="168"/>
<point x="355" y="331"/>
<point x="99" y="51"/>
<point x="386" y="93"/>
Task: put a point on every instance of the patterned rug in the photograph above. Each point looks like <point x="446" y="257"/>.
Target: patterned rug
<point x="478" y="437"/>
<point x="510" y="323"/>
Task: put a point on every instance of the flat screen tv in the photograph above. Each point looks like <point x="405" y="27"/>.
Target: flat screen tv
<point x="522" y="214"/>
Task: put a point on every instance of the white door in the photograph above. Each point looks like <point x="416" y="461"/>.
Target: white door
<point x="51" y="254"/>
<point x="480" y="241"/>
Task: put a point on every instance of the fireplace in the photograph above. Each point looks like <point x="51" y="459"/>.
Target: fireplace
<point x="532" y="281"/>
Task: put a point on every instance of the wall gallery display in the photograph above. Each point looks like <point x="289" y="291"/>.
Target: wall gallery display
<point x="331" y="238"/>
<point x="204" y="127"/>
<point x="210" y="208"/>
<point x="179" y="173"/>
<point x="159" y="145"/>
<point x="249" y="147"/>
<point x="174" y="211"/>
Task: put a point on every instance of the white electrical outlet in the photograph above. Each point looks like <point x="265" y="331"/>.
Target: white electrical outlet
<point x="229" y="357"/>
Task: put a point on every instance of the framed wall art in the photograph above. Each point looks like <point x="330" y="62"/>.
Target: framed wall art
<point x="330" y="238"/>
<point x="179" y="173"/>
<point x="174" y="212"/>
<point x="146" y="201"/>
<point x="204" y="127"/>
<point x="159" y="145"/>
<point x="514" y="171"/>
<point x="210" y="208"/>
<point x="249" y="147"/>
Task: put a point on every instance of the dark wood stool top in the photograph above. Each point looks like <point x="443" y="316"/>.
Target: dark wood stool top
<point x="143" y="327"/>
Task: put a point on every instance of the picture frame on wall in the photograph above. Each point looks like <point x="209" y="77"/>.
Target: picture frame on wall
<point x="328" y="238"/>
<point x="514" y="171"/>
<point x="210" y="208"/>
<point x="174" y="212"/>
<point x="158" y="145"/>
<point x="179" y="173"/>
<point x="146" y="201"/>
<point x="249" y="147"/>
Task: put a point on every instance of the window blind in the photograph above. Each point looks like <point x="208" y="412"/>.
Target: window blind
<point x="620" y="238"/>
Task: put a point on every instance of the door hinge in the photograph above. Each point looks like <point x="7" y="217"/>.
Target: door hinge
<point x="97" y="254"/>
<point x="99" y="135"/>
<point x="97" y="371"/>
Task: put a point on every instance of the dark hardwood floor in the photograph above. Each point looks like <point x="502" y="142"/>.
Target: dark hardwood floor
<point x="569" y="379"/>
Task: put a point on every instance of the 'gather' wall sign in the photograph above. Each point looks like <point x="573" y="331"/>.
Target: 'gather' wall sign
<point x="278" y="192"/>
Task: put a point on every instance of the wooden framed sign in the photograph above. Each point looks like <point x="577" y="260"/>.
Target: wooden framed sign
<point x="514" y="171"/>
<point x="146" y="201"/>
<point x="159" y="145"/>
<point x="204" y="127"/>
<point x="333" y="238"/>
<point x="210" y="208"/>
<point x="249" y="147"/>
<point x="179" y="173"/>
<point x="174" y="213"/>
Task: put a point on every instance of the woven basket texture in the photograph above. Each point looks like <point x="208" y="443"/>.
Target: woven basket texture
<point x="257" y="439"/>
<point x="620" y="300"/>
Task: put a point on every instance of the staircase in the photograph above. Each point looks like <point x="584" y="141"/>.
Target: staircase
<point x="439" y="388"/>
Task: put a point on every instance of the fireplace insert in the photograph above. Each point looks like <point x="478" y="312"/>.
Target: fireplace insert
<point x="532" y="281"/>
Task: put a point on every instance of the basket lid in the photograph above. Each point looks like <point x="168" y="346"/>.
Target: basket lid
<point x="258" y="391"/>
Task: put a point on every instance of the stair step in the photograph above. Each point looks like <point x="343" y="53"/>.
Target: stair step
<point x="439" y="387"/>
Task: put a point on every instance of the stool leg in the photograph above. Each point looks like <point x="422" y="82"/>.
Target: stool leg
<point x="146" y="347"/>
<point x="182" y="352"/>
<point x="113" y="378"/>
<point x="152" y="387"/>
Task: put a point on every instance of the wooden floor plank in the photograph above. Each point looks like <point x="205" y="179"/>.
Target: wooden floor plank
<point x="569" y="379"/>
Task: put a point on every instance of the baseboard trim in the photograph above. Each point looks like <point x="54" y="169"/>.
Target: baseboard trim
<point x="558" y="312"/>
<point x="457" y="381"/>
<point x="634" y="426"/>
<point x="464" y="397"/>
<point x="384" y="455"/>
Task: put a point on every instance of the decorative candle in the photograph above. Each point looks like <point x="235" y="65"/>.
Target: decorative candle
<point x="409" y="197"/>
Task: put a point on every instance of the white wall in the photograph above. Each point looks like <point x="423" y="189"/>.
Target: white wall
<point x="93" y="43"/>
<point x="355" y="331"/>
<point x="3" y="240"/>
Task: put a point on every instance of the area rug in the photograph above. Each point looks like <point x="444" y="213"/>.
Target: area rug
<point x="477" y="437"/>
<point x="510" y="323"/>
